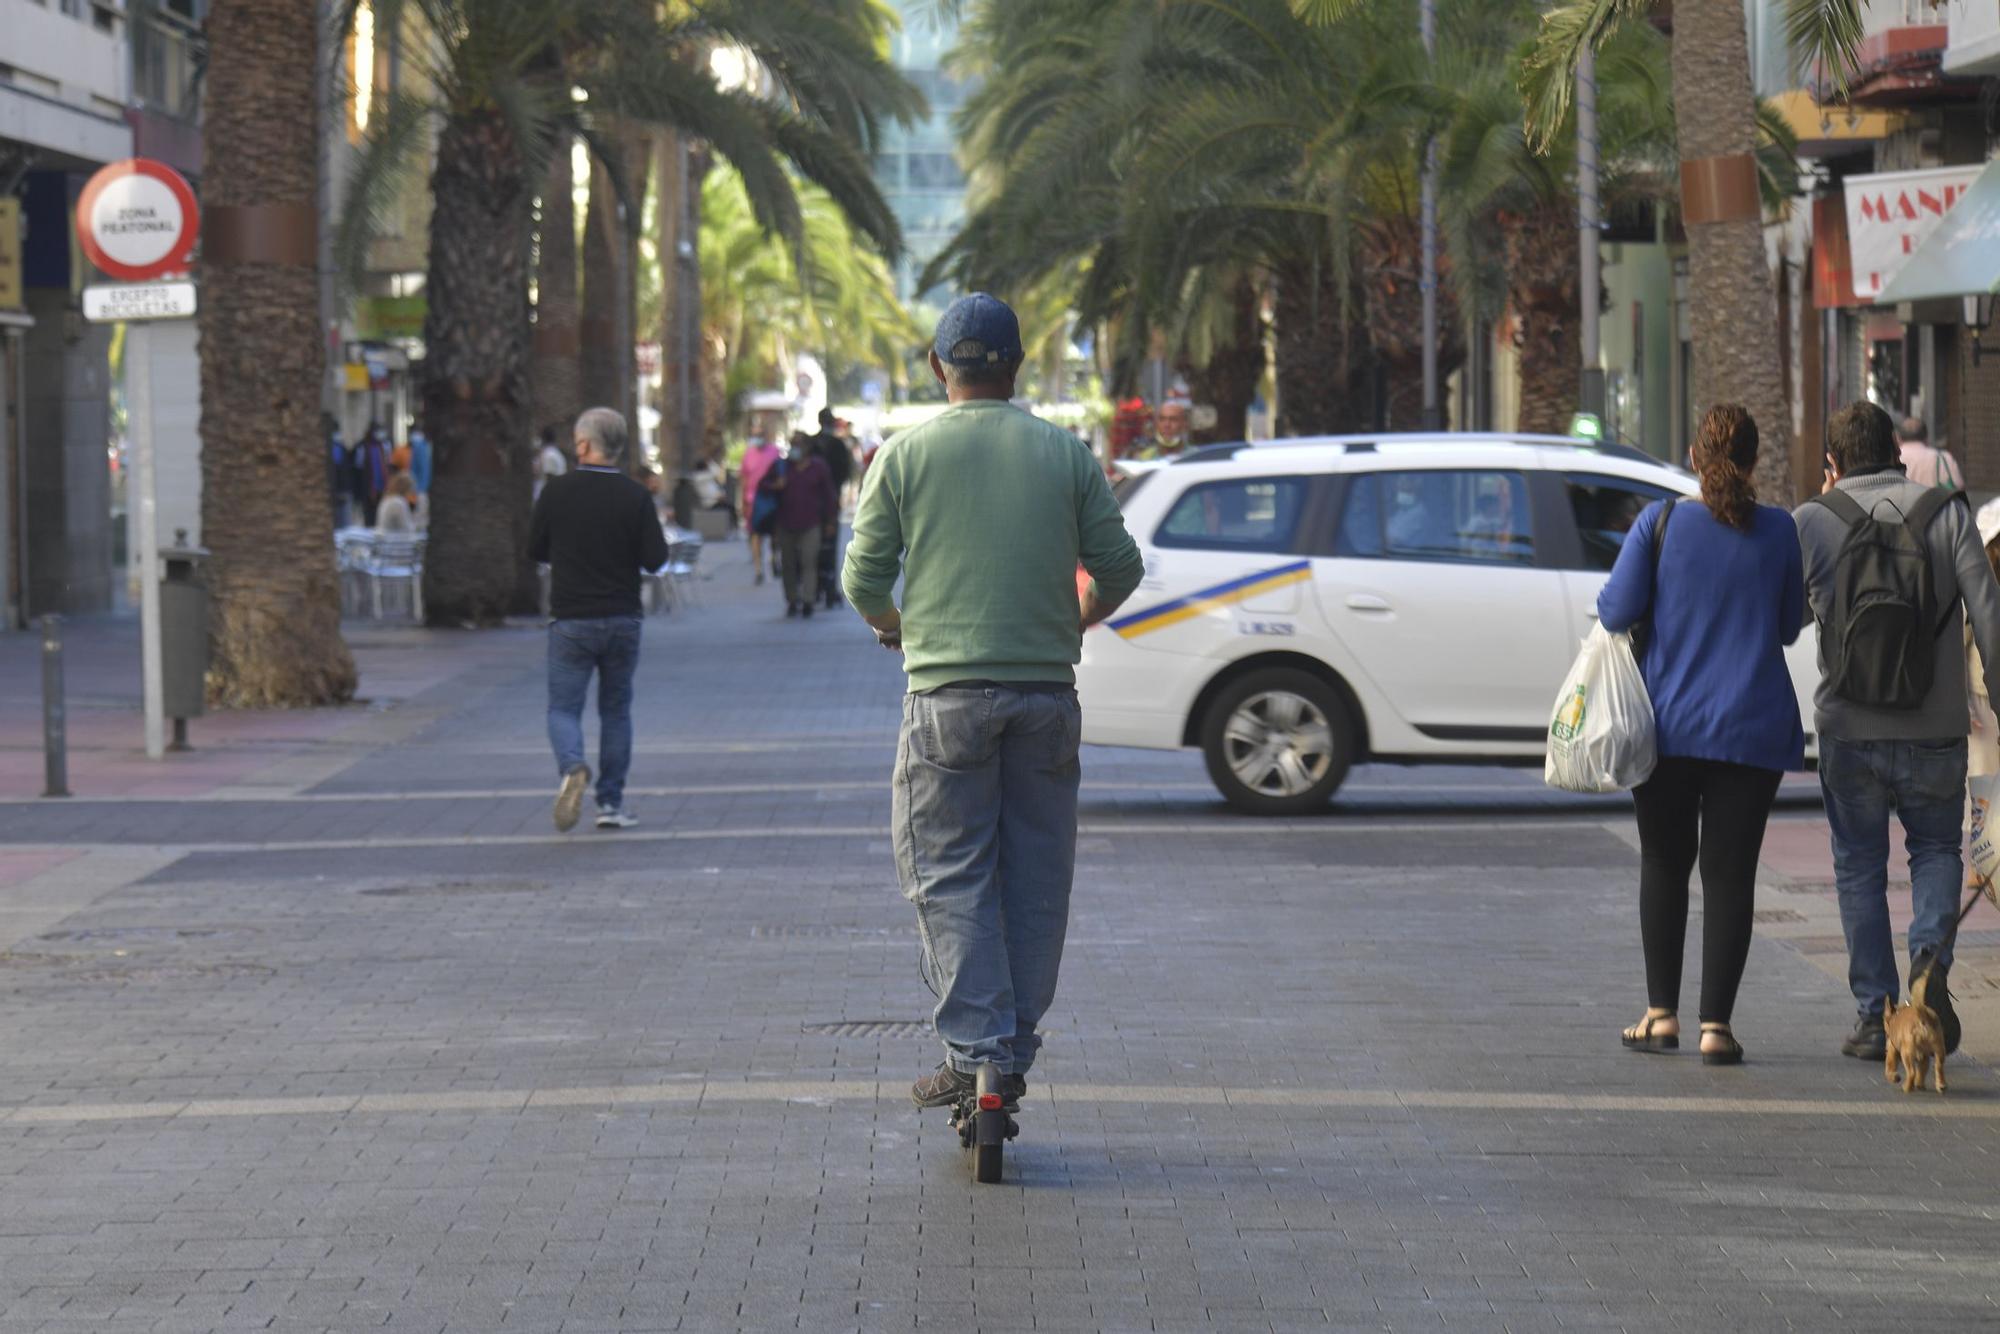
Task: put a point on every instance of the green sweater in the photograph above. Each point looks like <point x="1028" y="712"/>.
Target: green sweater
<point x="987" y="511"/>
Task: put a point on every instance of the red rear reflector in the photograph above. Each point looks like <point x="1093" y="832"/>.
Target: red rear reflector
<point x="989" y="1102"/>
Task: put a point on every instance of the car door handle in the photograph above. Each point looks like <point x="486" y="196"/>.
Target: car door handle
<point x="1366" y="602"/>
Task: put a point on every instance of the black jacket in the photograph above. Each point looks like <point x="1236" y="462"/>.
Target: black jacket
<point x="596" y="529"/>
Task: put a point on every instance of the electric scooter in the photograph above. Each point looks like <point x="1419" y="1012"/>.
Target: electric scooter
<point x="984" y="1124"/>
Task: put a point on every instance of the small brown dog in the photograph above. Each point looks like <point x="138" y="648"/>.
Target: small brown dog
<point x="1914" y="1038"/>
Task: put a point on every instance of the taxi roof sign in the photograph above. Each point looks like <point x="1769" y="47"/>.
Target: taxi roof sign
<point x="1586" y="426"/>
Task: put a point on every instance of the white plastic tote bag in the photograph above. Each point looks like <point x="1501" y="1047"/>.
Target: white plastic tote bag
<point x="1985" y="851"/>
<point x="1601" y="738"/>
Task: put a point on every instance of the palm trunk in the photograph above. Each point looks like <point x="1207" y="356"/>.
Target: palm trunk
<point x="1324" y="363"/>
<point x="475" y="382"/>
<point x="1541" y="250"/>
<point x="558" y="348"/>
<point x="681" y="339"/>
<point x="275" y="618"/>
<point x="1393" y="293"/>
<point x="1228" y="382"/>
<point x="603" y="244"/>
<point x="1732" y="297"/>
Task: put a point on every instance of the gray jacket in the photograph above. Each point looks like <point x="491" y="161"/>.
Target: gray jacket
<point x="1963" y="579"/>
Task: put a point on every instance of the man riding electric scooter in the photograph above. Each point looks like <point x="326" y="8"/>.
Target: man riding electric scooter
<point x="986" y="512"/>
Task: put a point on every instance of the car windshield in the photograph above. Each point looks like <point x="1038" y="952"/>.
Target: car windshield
<point x="1128" y="486"/>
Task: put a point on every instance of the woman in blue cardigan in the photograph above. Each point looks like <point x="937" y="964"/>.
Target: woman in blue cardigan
<point x="1730" y="596"/>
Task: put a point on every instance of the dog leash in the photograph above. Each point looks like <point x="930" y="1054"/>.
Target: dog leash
<point x="1984" y="890"/>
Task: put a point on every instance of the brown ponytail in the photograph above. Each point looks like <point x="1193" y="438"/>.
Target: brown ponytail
<point x="1725" y="451"/>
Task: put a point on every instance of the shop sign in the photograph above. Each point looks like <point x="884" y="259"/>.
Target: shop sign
<point x="1890" y="214"/>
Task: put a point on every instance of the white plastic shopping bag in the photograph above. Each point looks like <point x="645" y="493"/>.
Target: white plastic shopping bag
<point x="1985" y="851"/>
<point x="1601" y="737"/>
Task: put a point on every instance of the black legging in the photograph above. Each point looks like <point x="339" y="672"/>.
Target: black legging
<point x="1714" y="813"/>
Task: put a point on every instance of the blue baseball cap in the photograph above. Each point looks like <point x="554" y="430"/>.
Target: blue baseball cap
<point x="978" y="330"/>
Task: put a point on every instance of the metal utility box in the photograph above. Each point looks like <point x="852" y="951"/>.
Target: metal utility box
<point x="183" y="631"/>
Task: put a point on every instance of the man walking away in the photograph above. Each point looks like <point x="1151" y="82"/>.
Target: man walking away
<point x="595" y="527"/>
<point x="808" y="512"/>
<point x="986" y="512"/>
<point x="832" y="449"/>
<point x="1889" y="562"/>
<point x="1926" y="465"/>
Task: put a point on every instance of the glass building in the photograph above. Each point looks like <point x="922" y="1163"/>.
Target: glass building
<point x="917" y="167"/>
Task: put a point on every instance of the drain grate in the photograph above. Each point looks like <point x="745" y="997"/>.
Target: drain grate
<point x="1774" y="915"/>
<point x="118" y="967"/>
<point x="870" y="1028"/>
<point x="457" y="887"/>
<point x="781" y="931"/>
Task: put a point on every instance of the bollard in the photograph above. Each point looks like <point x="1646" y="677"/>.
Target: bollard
<point x="55" y="746"/>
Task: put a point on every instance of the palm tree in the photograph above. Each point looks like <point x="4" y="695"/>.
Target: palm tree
<point x="1732" y="296"/>
<point x="501" y="75"/>
<point x="275" y="625"/>
<point x="558" y="350"/>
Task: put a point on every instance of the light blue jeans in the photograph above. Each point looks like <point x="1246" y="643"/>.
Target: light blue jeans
<point x="608" y="646"/>
<point x="1923" y="782"/>
<point x="985" y="835"/>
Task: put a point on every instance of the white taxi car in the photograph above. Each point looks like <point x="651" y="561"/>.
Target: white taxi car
<point x="1312" y="603"/>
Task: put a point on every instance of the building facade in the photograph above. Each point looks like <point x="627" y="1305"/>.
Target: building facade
<point x="917" y="167"/>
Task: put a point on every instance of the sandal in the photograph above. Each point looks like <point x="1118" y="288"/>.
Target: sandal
<point x="1731" y="1054"/>
<point x="1641" y="1037"/>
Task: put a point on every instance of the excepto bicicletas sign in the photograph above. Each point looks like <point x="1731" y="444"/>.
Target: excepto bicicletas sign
<point x="137" y="219"/>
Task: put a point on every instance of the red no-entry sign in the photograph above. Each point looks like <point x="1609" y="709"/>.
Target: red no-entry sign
<point x="137" y="219"/>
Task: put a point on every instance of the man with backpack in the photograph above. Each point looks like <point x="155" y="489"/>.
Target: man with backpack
<point x="1893" y="571"/>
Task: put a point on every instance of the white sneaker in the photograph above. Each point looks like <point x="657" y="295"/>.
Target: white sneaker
<point x="569" y="797"/>
<point x="611" y="817"/>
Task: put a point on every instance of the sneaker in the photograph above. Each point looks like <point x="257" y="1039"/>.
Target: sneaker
<point x="569" y="797"/>
<point x="612" y="817"/>
<point x="760" y="578"/>
<point x="806" y="610"/>
<point x="1014" y="1088"/>
<point x="942" y="1087"/>
<point x="1937" y="995"/>
<point x="791" y="610"/>
<point x="1867" y="1042"/>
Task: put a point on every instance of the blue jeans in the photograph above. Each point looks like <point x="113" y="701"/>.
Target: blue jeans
<point x="1923" y="782"/>
<point x="985" y="833"/>
<point x="608" y="645"/>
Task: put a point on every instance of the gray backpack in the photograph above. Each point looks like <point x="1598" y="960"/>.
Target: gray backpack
<point x="1879" y="644"/>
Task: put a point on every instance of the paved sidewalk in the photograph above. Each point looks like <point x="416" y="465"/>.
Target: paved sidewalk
<point x="352" y="1040"/>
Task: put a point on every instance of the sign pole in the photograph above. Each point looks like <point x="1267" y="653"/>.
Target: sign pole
<point x="139" y="415"/>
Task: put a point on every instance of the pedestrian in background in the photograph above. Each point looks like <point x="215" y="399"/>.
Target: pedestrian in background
<point x="1728" y="596"/>
<point x="986" y="511"/>
<point x="397" y="512"/>
<point x="1890" y="710"/>
<point x="371" y="473"/>
<point x="758" y="462"/>
<point x="597" y="530"/>
<point x="550" y="461"/>
<point x="339" y="474"/>
<point x="832" y="449"/>
<point x="420" y="460"/>
<point x="1922" y="462"/>
<point x="808" y="512"/>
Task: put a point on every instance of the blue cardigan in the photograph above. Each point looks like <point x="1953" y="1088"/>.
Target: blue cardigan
<point x="1729" y="603"/>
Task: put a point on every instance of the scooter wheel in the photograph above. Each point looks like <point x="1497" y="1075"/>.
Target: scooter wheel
<point x="986" y="1163"/>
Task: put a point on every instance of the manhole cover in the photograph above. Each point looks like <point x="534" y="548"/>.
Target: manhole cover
<point x="1778" y="915"/>
<point x="871" y="1028"/>
<point x="457" y="887"/>
<point x="790" y="932"/>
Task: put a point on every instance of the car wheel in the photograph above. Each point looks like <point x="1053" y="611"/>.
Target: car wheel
<point x="1277" y="742"/>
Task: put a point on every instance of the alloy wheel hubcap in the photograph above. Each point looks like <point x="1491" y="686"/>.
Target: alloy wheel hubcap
<point x="1278" y="744"/>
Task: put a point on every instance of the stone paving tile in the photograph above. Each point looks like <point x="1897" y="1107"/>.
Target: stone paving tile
<point x="1474" y="946"/>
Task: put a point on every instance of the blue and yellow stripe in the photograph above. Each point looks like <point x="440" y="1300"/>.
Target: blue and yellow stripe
<point x="1209" y="599"/>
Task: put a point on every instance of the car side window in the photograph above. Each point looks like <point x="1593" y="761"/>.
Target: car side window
<point x="1457" y="515"/>
<point x="1243" y="514"/>
<point x="1605" y="509"/>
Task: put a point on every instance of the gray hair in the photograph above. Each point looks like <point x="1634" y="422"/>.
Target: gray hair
<point x="604" y="428"/>
<point x="1912" y="430"/>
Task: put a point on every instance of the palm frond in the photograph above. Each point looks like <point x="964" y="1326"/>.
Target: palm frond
<point x="391" y="158"/>
<point x="1548" y="75"/>
<point x="1824" y="35"/>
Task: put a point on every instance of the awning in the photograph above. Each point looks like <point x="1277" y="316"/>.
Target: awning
<point x="1961" y="257"/>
